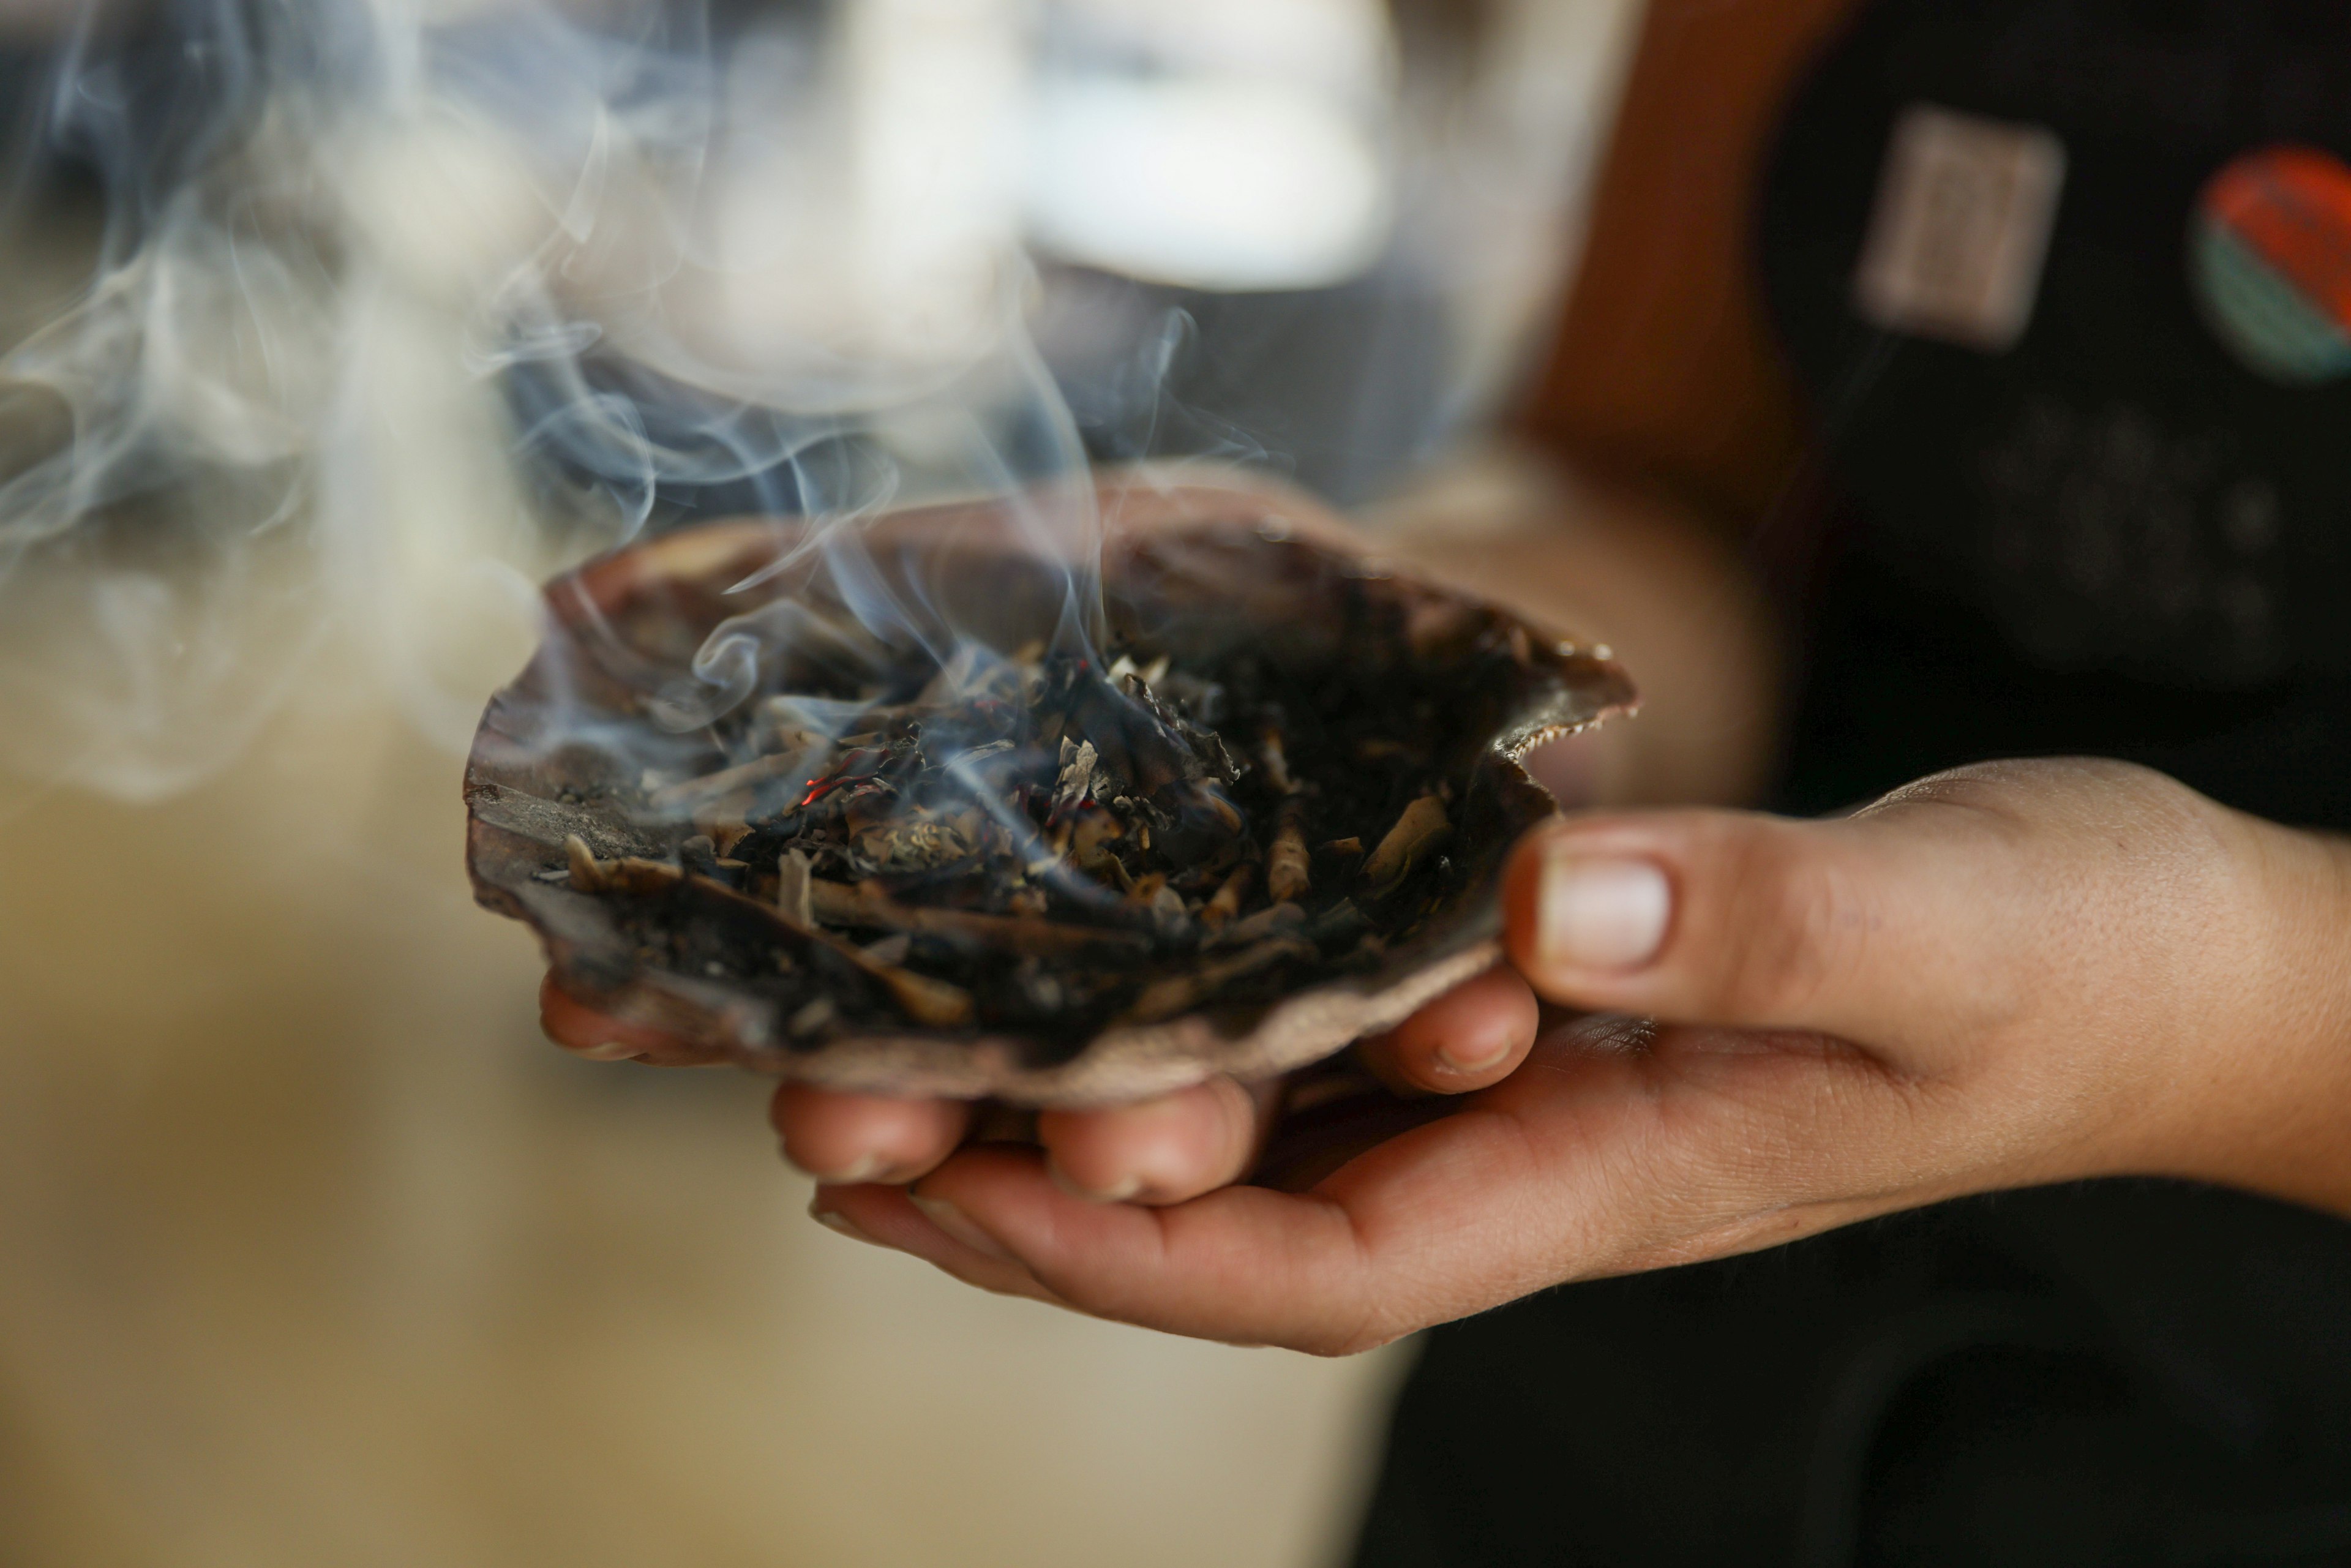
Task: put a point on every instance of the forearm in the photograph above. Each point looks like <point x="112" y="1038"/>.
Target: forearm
<point x="2267" y="1107"/>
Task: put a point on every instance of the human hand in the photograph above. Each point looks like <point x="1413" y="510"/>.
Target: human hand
<point x="1157" y="1152"/>
<point x="1645" y="568"/>
<point x="2002" y="976"/>
<point x="1160" y="1151"/>
<point x="1167" y="1150"/>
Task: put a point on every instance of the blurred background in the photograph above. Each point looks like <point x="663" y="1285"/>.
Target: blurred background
<point x="331" y="328"/>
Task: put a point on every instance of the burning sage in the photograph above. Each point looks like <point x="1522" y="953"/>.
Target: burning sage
<point x="959" y="829"/>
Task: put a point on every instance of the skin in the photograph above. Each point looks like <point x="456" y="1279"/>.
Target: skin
<point x="2003" y="976"/>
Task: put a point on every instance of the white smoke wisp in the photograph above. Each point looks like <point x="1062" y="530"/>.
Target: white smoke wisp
<point x="394" y="307"/>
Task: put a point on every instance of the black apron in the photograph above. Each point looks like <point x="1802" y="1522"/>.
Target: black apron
<point x="2056" y="276"/>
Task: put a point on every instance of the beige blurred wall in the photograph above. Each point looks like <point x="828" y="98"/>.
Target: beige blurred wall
<point x="313" y="1253"/>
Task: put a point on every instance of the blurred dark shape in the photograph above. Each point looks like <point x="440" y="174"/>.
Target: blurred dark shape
<point x="2120" y="537"/>
<point x="1340" y="388"/>
<point x="713" y="450"/>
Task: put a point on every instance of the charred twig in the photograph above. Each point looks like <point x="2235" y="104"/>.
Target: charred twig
<point x="689" y="793"/>
<point x="1287" y="875"/>
<point x="1044" y="837"/>
<point x="1226" y="903"/>
<point x="1280" y="920"/>
<point x="1221" y="814"/>
<point x="699" y="857"/>
<point x="631" y="874"/>
<point x="925" y="999"/>
<point x="891" y="951"/>
<point x="1342" y="920"/>
<point x="868" y="908"/>
<point x="922" y="999"/>
<point x="1423" y="826"/>
<point x="1091" y="838"/>
<point x="1274" y="753"/>
<point x="724" y="819"/>
<point x="1170" y="917"/>
<point x="1181" y="993"/>
<point x="587" y="873"/>
<point x="794" y="877"/>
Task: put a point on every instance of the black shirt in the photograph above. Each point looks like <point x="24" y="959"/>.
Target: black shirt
<point x="2120" y="526"/>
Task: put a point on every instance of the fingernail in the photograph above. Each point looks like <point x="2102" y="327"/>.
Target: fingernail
<point x="1452" y="1059"/>
<point x="834" y="1221"/>
<point x="1596" y="914"/>
<point x="1124" y="1191"/>
<point x="958" y="1225"/>
<point x="865" y="1168"/>
<point x="612" y="1051"/>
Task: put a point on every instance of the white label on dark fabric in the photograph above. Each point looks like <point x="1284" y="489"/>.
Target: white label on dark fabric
<point x="1960" y="236"/>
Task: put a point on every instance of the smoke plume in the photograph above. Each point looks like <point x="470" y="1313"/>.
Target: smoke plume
<point x="380" y="310"/>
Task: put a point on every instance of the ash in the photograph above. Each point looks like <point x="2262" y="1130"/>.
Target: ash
<point x="1045" y="844"/>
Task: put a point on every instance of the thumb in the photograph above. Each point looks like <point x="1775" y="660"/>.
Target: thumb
<point x="1894" y="929"/>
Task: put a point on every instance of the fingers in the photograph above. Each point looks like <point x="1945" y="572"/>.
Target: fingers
<point x="1160" y="1151"/>
<point x="1242" y="1264"/>
<point x="582" y="1030"/>
<point x="1469" y="1039"/>
<point x="849" y="1139"/>
<point x="887" y="1216"/>
<point x="1156" y="1152"/>
<point x="1984" y="910"/>
<point x="840" y="1138"/>
<point x="1992" y="905"/>
<point x="1164" y="1151"/>
<point x="1890" y="928"/>
<point x="1445" y="1219"/>
<point x="1609" y="1160"/>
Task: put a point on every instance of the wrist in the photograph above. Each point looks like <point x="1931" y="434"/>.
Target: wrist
<point x="2265" y="1104"/>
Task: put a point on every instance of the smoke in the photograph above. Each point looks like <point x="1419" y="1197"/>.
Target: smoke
<point x="391" y="308"/>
